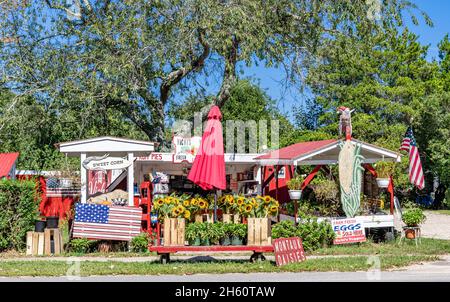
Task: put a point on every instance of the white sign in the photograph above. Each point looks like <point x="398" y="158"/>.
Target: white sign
<point x="105" y="163"/>
<point x="348" y="230"/>
<point x="185" y="148"/>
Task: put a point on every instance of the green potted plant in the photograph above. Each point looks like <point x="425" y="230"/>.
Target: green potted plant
<point x="204" y="232"/>
<point x="217" y="232"/>
<point x="412" y="217"/>
<point x="238" y="233"/>
<point x="192" y="233"/>
<point x="295" y="187"/>
<point x="226" y="238"/>
<point x="384" y="171"/>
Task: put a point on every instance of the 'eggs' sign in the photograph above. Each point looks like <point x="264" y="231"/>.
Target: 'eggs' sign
<point x="348" y="230"/>
<point x="288" y="250"/>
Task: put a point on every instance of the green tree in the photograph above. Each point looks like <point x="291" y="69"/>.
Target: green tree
<point x="130" y="56"/>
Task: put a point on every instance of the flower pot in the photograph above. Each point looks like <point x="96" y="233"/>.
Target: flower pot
<point x="225" y="240"/>
<point x="39" y="226"/>
<point x="295" y="194"/>
<point x="383" y="182"/>
<point x="205" y="242"/>
<point x="236" y="240"/>
<point x="410" y="233"/>
<point x="195" y="242"/>
<point x="52" y="222"/>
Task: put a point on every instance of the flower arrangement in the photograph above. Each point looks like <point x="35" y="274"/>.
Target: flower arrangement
<point x="183" y="206"/>
<point x="258" y="206"/>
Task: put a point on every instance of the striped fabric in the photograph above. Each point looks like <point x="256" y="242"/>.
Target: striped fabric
<point x="95" y="221"/>
<point x="409" y="144"/>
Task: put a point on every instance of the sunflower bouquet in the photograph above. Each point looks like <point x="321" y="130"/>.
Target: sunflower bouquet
<point x="230" y="203"/>
<point x="172" y="206"/>
<point x="259" y="207"/>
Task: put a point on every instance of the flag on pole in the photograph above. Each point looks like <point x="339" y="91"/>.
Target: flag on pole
<point x="409" y="144"/>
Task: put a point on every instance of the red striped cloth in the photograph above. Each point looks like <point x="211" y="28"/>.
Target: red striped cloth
<point x="409" y="144"/>
<point x="109" y="223"/>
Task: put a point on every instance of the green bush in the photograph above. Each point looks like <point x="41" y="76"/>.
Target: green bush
<point x="139" y="244"/>
<point x="18" y="212"/>
<point x="314" y="234"/>
<point x="81" y="245"/>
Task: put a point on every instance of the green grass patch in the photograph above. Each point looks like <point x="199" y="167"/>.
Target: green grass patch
<point x="407" y="247"/>
<point x="90" y="268"/>
<point x="445" y="212"/>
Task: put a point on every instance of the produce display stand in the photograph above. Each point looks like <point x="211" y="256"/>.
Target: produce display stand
<point x="165" y="251"/>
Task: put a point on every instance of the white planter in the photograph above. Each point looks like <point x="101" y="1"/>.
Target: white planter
<point x="383" y="182"/>
<point x="295" y="194"/>
<point x="65" y="183"/>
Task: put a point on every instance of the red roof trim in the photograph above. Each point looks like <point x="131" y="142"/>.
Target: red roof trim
<point x="296" y="150"/>
<point x="7" y="161"/>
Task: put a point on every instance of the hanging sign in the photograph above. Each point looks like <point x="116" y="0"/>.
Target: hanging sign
<point x="288" y="250"/>
<point x="348" y="230"/>
<point x="185" y="148"/>
<point x="105" y="163"/>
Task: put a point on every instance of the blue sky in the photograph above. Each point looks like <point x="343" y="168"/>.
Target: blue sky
<point x="438" y="10"/>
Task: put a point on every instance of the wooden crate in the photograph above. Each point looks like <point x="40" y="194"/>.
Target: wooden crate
<point x="259" y="231"/>
<point x="35" y="244"/>
<point x="174" y="229"/>
<point x="231" y="218"/>
<point x="204" y="218"/>
<point x="53" y="242"/>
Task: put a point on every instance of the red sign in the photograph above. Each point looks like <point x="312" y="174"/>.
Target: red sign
<point x="348" y="230"/>
<point x="288" y="250"/>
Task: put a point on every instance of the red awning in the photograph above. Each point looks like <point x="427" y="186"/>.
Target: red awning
<point x="291" y="152"/>
<point x="7" y="161"/>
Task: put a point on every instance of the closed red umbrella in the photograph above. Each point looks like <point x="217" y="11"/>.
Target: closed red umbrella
<point x="208" y="169"/>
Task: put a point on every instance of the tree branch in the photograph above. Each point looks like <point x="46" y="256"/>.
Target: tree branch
<point x="229" y="75"/>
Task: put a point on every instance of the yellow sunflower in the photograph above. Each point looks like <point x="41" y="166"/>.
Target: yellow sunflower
<point x="159" y="202"/>
<point x="180" y="209"/>
<point x="267" y="199"/>
<point x="248" y="208"/>
<point x="187" y="214"/>
<point x="202" y="204"/>
<point x="274" y="209"/>
<point x="167" y="200"/>
<point x="186" y="203"/>
<point x="240" y="201"/>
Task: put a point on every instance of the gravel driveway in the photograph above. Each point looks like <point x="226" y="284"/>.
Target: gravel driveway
<point x="436" y="226"/>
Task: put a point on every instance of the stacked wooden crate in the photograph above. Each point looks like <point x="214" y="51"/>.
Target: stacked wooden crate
<point x="259" y="231"/>
<point x="174" y="231"/>
<point x="48" y="242"/>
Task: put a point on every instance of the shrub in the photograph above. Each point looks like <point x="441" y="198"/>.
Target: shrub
<point x="139" y="244"/>
<point x="18" y="212"/>
<point x="314" y="234"/>
<point x="81" y="245"/>
<point x="295" y="183"/>
<point x="413" y="217"/>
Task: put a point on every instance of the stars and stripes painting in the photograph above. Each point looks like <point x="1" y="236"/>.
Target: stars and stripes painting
<point x="409" y="145"/>
<point x="96" y="221"/>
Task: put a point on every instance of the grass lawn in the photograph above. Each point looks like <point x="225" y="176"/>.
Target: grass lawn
<point x="446" y="212"/>
<point x="408" y="247"/>
<point x="90" y="268"/>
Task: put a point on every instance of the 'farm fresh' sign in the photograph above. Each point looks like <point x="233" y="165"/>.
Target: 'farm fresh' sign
<point x="348" y="230"/>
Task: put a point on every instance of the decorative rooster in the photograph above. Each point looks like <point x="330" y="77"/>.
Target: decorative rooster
<point x="345" y="122"/>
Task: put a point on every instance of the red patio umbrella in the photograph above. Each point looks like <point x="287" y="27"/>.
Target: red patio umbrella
<point x="208" y="169"/>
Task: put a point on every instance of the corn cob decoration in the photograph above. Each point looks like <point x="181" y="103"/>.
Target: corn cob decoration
<point x="350" y="176"/>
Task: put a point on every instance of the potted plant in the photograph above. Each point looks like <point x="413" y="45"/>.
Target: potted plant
<point x="412" y="218"/>
<point x="216" y="233"/>
<point x="204" y="233"/>
<point x="238" y="233"/>
<point x="384" y="171"/>
<point x="226" y="237"/>
<point x="193" y="233"/>
<point x="295" y="187"/>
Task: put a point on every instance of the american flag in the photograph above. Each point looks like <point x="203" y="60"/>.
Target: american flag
<point x="96" y="221"/>
<point x="409" y="144"/>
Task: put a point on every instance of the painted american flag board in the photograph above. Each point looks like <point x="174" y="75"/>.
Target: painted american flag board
<point x="95" y="221"/>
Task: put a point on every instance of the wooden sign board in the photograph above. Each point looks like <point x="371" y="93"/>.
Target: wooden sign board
<point x="348" y="230"/>
<point x="288" y="250"/>
<point x="106" y="163"/>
